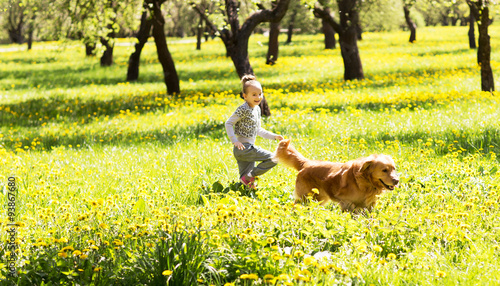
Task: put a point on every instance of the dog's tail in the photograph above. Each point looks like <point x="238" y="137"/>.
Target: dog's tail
<point x="286" y="154"/>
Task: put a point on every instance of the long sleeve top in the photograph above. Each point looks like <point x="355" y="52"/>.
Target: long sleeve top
<point x="244" y="125"/>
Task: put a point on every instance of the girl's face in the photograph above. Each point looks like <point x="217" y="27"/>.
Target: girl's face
<point x="253" y="95"/>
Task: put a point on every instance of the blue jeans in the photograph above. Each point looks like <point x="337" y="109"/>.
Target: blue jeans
<point x="246" y="160"/>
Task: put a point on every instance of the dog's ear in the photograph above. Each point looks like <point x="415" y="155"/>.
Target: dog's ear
<point x="365" y="165"/>
<point x="284" y="143"/>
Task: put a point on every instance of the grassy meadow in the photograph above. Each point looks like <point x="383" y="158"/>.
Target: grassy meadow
<point x="118" y="183"/>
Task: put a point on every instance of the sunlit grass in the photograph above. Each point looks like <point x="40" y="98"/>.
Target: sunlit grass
<point x="107" y="169"/>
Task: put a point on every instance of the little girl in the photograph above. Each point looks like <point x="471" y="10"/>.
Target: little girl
<point x="243" y="127"/>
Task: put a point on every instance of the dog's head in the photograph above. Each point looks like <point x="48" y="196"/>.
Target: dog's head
<point x="282" y="151"/>
<point x="380" y="170"/>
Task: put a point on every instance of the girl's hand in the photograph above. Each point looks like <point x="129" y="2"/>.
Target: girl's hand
<point x="239" y="145"/>
<point x="278" y="137"/>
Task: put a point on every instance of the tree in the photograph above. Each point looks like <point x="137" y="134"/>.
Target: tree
<point x="274" y="32"/>
<point x="348" y="35"/>
<point x="471" y="33"/>
<point x="236" y="37"/>
<point x="327" y="29"/>
<point x="407" y="5"/>
<point x="164" y="56"/>
<point x="142" y="38"/>
<point x="16" y="20"/>
<point x="291" y="23"/>
<point x="480" y="10"/>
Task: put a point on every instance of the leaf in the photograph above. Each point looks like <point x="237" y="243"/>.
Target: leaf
<point x="493" y="170"/>
<point x="217" y="187"/>
<point x="206" y="202"/>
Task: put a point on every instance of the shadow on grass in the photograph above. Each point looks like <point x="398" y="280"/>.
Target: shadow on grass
<point x="443" y="142"/>
<point x="56" y="109"/>
<point x="208" y="192"/>
<point x="442" y="52"/>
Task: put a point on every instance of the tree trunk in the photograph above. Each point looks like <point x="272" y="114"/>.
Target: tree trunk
<point x="15" y="26"/>
<point x="411" y="24"/>
<point x="291" y="25"/>
<point x="329" y="32"/>
<point x="484" y="51"/>
<point x="353" y="68"/>
<point x="89" y="49"/>
<point x="273" y="45"/>
<point x="30" y="38"/>
<point x="348" y="36"/>
<point x="16" y="35"/>
<point x="164" y="56"/>
<point x="142" y="39"/>
<point x="472" y="36"/>
<point x="107" y="56"/>
<point x="199" y="34"/>
<point x="348" y="40"/>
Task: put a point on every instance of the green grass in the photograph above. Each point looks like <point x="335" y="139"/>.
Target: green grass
<point x="112" y="175"/>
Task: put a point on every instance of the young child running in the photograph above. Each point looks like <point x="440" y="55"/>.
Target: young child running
<point x="243" y="127"/>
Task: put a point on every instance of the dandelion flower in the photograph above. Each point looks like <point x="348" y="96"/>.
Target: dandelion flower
<point x="310" y="260"/>
<point x="391" y="256"/>
<point x="298" y="253"/>
<point x="440" y="273"/>
<point x="167" y="273"/>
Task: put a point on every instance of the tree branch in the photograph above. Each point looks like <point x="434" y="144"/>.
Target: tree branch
<point x="265" y="15"/>
<point x="323" y="14"/>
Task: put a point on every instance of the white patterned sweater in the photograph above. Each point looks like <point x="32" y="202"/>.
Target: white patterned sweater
<point x="244" y="125"/>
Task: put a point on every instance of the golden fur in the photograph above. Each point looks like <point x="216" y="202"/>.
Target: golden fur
<point x="354" y="185"/>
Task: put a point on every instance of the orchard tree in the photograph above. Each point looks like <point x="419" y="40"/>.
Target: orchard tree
<point x="169" y="72"/>
<point x="347" y="29"/>
<point x="18" y="19"/>
<point x="481" y="12"/>
<point x="153" y="23"/>
<point x="274" y="31"/>
<point x="407" y="5"/>
<point x="472" y="34"/>
<point x="235" y="36"/>
<point x="142" y="38"/>
<point x="327" y="28"/>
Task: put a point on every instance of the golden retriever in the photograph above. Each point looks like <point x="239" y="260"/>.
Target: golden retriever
<point x="355" y="185"/>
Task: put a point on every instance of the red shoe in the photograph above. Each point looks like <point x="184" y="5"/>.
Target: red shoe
<point x="248" y="181"/>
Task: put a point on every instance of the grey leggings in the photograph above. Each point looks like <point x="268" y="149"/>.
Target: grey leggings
<point x="246" y="160"/>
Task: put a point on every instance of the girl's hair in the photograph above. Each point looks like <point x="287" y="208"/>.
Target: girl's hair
<point x="248" y="80"/>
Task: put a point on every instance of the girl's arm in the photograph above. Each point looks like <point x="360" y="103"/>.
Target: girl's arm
<point x="268" y="135"/>
<point x="230" y="131"/>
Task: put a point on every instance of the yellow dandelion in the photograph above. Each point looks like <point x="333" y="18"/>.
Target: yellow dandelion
<point x="270" y="240"/>
<point x="316" y="191"/>
<point x="377" y="248"/>
<point x="440" y="273"/>
<point x="298" y="253"/>
<point x="283" y="277"/>
<point x="310" y="260"/>
<point x="253" y="276"/>
<point x="167" y="273"/>
<point x="391" y="256"/>
<point x="268" y="277"/>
